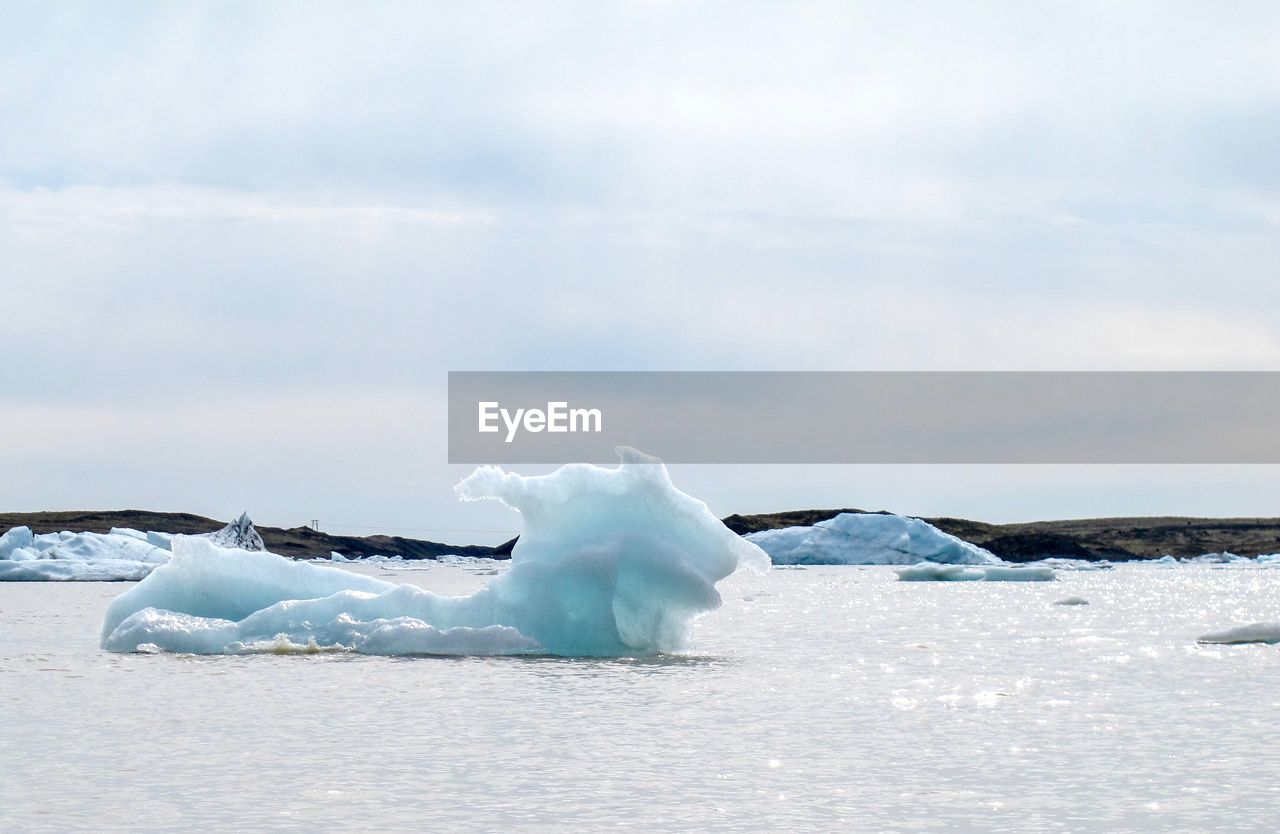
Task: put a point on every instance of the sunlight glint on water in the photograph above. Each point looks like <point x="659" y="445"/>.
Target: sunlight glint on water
<point x="815" y="698"/>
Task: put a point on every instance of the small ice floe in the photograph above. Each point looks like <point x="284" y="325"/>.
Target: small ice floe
<point x="931" y="572"/>
<point x="1003" y="573"/>
<point x="1063" y="563"/>
<point x="122" y="555"/>
<point x="1165" y="560"/>
<point x="1223" y="558"/>
<point x="376" y="558"/>
<point x="868" y="539"/>
<point x="1072" y="601"/>
<point x="1252" y="633"/>
<point x="1269" y="559"/>
<point x="77" y="557"/>
<point x="455" y="559"/>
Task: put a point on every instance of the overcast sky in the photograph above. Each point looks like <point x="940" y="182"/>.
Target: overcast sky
<point x="241" y="244"/>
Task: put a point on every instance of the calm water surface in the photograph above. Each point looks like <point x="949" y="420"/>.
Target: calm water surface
<point x="816" y="699"/>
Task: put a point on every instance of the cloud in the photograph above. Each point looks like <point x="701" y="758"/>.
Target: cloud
<point x="205" y="203"/>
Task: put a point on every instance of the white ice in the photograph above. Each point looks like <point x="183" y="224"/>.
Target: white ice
<point x="19" y="538"/>
<point x="1252" y="633"/>
<point x="933" y="572"/>
<point x="1061" y="563"/>
<point x="122" y="555"/>
<point x="84" y="557"/>
<point x="1223" y="558"/>
<point x="611" y="562"/>
<point x="868" y="539"/>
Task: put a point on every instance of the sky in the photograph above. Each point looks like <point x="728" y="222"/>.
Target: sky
<point x="242" y="244"/>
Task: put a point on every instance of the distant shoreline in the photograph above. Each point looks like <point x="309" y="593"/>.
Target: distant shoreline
<point x="1113" y="539"/>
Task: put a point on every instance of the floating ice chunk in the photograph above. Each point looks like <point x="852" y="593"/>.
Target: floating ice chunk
<point x="1252" y="633"/>
<point x="1165" y="560"/>
<point x="73" y="570"/>
<point x="239" y="534"/>
<point x="868" y="539"/>
<point x="377" y="558"/>
<point x="1223" y="558"/>
<point x="1072" y="601"/>
<point x="1010" y="573"/>
<point x="932" y="572"/>
<point x="99" y="547"/>
<point x="82" y="557"/>
<point x="1062" y="563"/>
<point x="128" y="531"/>
<point x="611" y="562"/>
<point x="1269" y="559"/>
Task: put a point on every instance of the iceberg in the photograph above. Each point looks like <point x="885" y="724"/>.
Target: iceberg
<point x="122" y="555"/>
<point x="65" y="570"/>
<point x="1252" y="633"/>
<point x="933" y="572"/>
<point x="868" y="539"/>
<point x="930" y="572"/>
<point x="1063" y="563"/>
<point x="1018" y="573"/>
<point x="238" y="535"/>
<point x="611" y="562"/>
<point x="118" y="556"/>
<point x="1223" y="558"/>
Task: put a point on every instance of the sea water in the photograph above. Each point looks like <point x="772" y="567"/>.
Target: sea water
<point x="831" y="698"/>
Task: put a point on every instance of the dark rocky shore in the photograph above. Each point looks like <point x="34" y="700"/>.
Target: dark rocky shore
<point x="1114" y="539"/>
